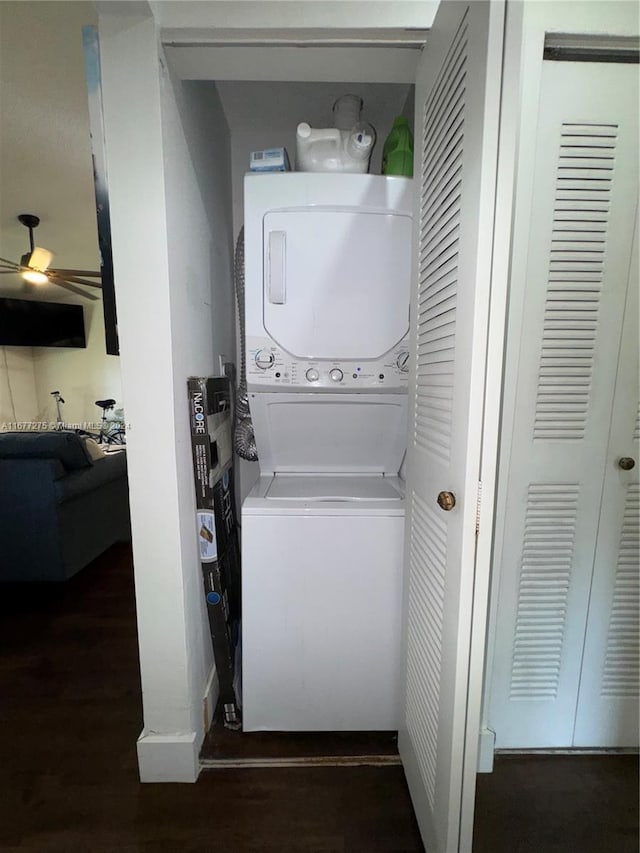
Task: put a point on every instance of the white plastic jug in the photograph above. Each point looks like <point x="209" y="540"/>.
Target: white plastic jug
<point x="347" y="111"/>
<point x="332" y="150"/>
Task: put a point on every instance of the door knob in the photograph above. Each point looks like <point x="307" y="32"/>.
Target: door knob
<point x="446" y="501"/>
<point x="626" y="463"/>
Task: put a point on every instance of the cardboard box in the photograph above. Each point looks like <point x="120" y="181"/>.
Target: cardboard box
<point x="216" y="528"/>
<point x="269" y="160"/>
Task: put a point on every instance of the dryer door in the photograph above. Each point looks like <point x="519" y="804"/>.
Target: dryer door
<point x="336" y="282"/>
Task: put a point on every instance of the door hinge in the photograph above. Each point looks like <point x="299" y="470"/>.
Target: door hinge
<point x="478" y="505"/>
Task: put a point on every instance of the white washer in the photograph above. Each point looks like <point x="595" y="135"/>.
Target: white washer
<point x="327" y="302"/>
<point x="321" y="600"/>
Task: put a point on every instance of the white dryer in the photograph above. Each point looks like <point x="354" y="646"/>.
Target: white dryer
<point x="327" y="260"/>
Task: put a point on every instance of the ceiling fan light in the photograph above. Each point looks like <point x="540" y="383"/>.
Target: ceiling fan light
<point x="40" y="259"/>
<point x="34" y="276"/>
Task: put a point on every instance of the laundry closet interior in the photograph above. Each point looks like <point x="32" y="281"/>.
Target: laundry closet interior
<point x="322" y="510"/>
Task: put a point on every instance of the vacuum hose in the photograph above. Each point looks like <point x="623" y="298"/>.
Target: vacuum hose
<point x="244" y="439"/>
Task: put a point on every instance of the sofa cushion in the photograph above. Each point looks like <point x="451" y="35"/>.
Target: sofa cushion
<point x="112" y="466"/>
<point x="67" y="447"/>
<point x="94" y="450"/>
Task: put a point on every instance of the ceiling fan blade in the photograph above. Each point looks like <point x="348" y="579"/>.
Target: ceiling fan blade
<point x="73" y="289"/>
<point x="9" y="263"/>
<point x="53" y="276"/>
<point x="65" y="273"/>
<point x="4" y="271"/>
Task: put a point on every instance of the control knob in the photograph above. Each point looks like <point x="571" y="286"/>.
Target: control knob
<point x="336" y="375"/>
<point x="402" y="362"/>
<point x="312" y="374"/>
<point x="264" y="360"/>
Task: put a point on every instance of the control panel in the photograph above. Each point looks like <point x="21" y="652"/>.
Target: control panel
<point x="269" y="366"/>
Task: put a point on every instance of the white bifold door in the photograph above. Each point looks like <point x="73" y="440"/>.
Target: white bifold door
<point x="456" y="128"/>
<point x="566" y="661"/>
<point x="607" y="707"/>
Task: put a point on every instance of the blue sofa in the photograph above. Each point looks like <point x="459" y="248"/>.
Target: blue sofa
<point x="59" y="509"/>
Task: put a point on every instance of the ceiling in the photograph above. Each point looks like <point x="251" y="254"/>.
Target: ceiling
<point x="194" y="17"/>
<point x="45" y="149"/>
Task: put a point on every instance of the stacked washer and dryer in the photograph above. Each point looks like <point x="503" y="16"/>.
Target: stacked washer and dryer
<point x="327" y="280"/>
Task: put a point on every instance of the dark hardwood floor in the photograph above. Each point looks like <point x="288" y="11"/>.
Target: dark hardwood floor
<point x="70" y="712"/>
<point x="558" y="804"/>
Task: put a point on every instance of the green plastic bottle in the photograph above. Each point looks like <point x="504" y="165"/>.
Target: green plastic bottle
<point x="397" y="153"/>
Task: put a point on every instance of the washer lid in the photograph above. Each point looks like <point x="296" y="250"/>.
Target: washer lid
<point x="333" y="488"/>
<point x="336" y="282"/>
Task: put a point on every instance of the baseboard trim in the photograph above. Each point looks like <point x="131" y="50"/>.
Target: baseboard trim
<point x="567" y="750"/>
<point x="210" y="699"/>
<point x="307" y="761"/>
<point x="168" y="757"/>
<point x="175" y="757"/>
<point x="486" y="749"/>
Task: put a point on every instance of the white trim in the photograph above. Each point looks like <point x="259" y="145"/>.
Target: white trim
<point x="371" y="64"/>
<point x="501" y="353"/>
<point x="311" y="761"/>
<point x="210" y="699"/>
<point x="570" y="751"/>
<point x="168" y="757"/>
<point x="175" y="757"/>
<point x="486" y="750"/>
<point x="594" y="42"/>
<point x="492" y="357"/>
<point x="299" y="37"/>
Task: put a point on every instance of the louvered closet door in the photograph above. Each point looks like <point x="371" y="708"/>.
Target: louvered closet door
<point x="583" y="206"/>
<point x="457" y="100"/>
<point x="607" y="712"/>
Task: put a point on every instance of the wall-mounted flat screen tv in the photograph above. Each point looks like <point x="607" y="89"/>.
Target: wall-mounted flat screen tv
<point x="28" y="323"/>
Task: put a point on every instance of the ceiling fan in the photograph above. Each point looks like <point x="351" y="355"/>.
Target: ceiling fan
<point x="34" y="266"/>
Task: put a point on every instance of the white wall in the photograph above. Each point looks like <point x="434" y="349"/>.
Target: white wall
<point x="18" y="399"/>
<point x="197" y="151"/>
<point x="174" y="305"/>
<point x="81" y="375"/>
